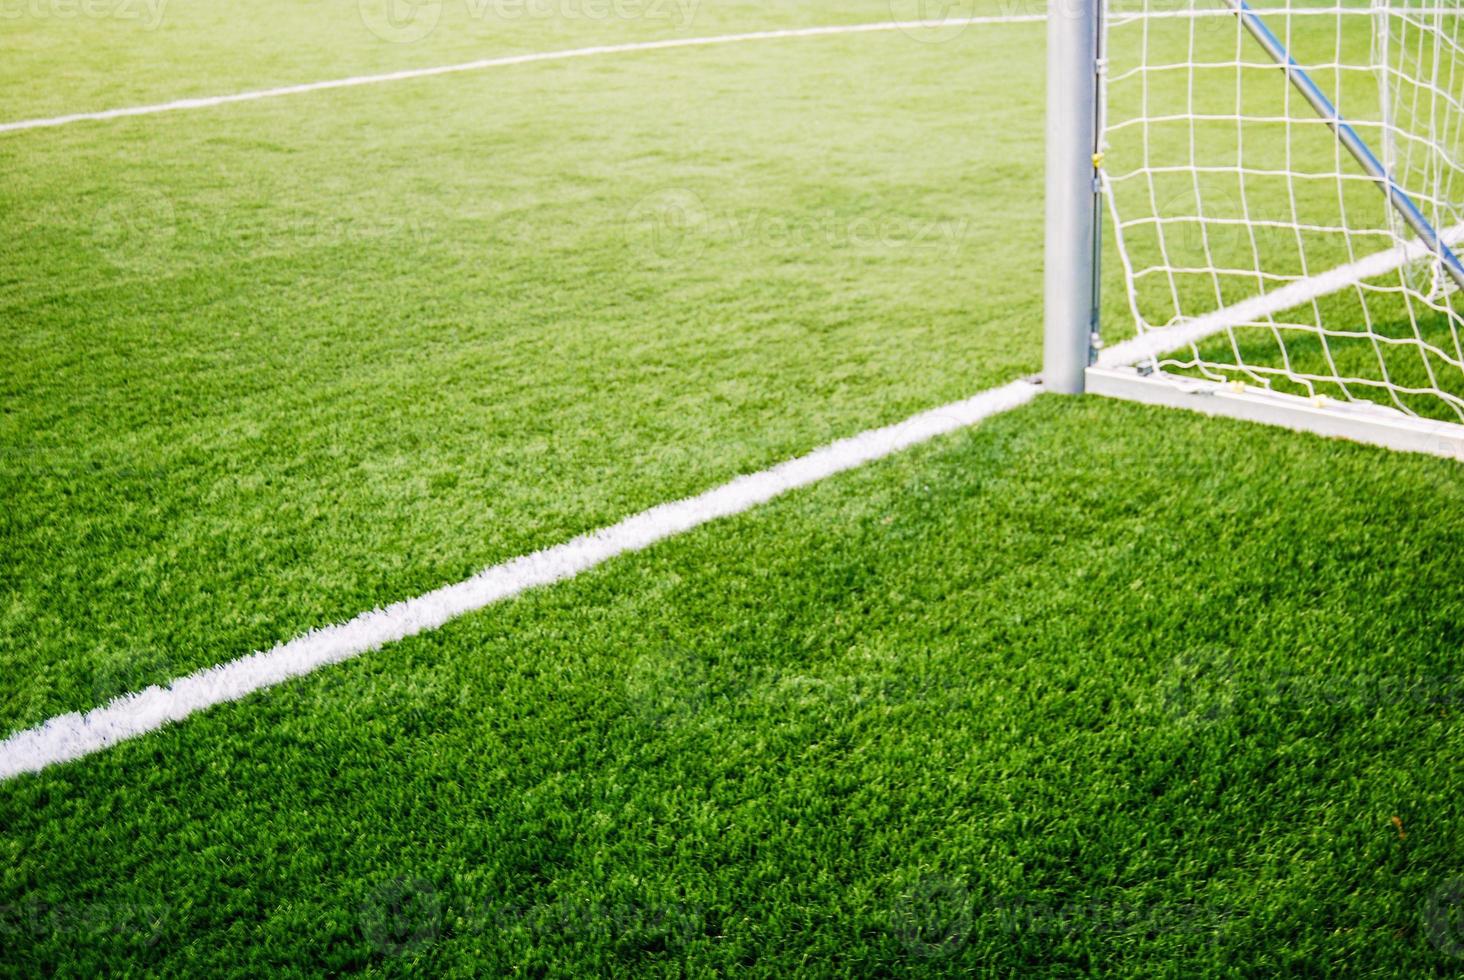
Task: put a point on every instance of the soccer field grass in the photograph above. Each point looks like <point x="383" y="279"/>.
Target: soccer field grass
<point x="998" y="703"/>
<point x="1087" y="687"/>
<point x="316" y="356"/>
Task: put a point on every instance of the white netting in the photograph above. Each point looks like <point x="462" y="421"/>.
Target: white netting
<point x="1224" y="184"/>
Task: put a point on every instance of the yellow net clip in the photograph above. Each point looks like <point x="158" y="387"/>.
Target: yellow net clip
<point x="1098" y="161"/>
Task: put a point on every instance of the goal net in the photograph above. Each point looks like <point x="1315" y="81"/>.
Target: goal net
<point x="1258" y="252"/>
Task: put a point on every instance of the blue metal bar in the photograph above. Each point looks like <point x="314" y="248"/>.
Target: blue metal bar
<point x="1348" y="137"/>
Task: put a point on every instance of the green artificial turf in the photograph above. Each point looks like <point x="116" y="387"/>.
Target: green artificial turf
<point x="1088" y="689"/>
<point x="1092" y="688"/>
<point x="274" y="365"/>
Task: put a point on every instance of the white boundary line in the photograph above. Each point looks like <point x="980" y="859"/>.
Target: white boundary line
<point x="69" y="737"/>
<point x="1162" y="340"/>
<point x="1363" y="422"/>
<point x="517" y="59"/>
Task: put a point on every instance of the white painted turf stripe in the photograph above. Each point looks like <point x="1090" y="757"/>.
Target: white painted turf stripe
<point x="68" y="737"/>
<point x="1149" y="345"/>
<point x="517" y="59"/>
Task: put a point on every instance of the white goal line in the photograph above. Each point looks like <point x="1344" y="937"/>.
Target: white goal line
<point x="205" y="102"/>
<point x="1150" y="345"/>
<point x="65" y="738"/>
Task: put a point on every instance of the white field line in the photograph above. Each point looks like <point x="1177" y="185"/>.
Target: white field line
<point x="504" y="61"/>
<point x="1153" y="343"/>
<point x="68" y="737"/>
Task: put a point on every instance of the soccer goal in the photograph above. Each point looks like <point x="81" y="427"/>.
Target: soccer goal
<point x="1283" y="190"/>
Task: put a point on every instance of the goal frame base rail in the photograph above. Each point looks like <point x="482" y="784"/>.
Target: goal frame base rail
<point x="1363" y="422"/>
